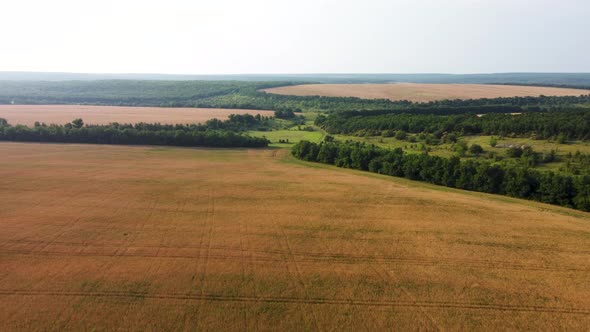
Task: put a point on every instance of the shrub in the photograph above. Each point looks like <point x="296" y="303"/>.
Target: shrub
<point x="514" y="152"/>
<point x="401" y="135"/>
<point x="475" y="149"/>
<point x="493" y="141"/>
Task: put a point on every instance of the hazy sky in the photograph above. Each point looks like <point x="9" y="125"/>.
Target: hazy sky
<point x="299" y="36"/>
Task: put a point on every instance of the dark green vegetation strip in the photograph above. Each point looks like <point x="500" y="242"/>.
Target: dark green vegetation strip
<point x="122" y="92"/>
<point x="244" y="95"/>
<point x="214" y="133"/>
<point x="522" y="182"/>
<point x="573" y="124"/>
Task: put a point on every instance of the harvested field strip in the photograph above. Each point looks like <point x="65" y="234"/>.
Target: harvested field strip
<point x="351" y="302"/>
<point x="62" y="114"/>
<point x="422" y="92"/>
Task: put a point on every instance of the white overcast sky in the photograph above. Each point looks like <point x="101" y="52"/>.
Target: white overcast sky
<point x="299" y="36"/>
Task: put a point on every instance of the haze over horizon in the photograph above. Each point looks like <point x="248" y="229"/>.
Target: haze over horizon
<point x="303" y="37"/>
<point x="286" y="73"/>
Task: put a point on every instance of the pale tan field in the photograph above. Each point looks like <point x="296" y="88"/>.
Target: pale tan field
<point x="422" y="92"/>
<point x="61" y="114"/>
<point x="139" y="238"/>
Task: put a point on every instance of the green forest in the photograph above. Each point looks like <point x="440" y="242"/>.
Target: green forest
<point x="247" y="95"/>
<point x="214" y="133"/>
<point x="475" y="175"/>
<point x="573" y="124"/>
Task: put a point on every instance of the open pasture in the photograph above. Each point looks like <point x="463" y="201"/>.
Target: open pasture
<point x="143" y="238"/>
<point x="422" y="92"/>
<point x="62" y="114"/>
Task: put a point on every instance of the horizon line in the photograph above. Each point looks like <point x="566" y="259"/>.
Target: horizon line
<point x="287" y="73"/>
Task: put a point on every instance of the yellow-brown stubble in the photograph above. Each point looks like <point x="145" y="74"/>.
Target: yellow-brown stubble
<point x="115" y="237"/>
<point x="100" y="115"/>
<point x="423" y="92"/>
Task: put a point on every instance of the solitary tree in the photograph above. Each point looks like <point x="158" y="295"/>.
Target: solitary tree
<point x="78" y="123"/>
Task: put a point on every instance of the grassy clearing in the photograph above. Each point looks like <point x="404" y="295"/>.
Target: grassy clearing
<point x="173" y="239"/>
<point x="293" y="135"/>
<point x="443" y="150"/>
<point x="447" y="150"/>
<point x="537" y="145"/>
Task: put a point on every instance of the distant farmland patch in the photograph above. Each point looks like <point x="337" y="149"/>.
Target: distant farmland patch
<point x="422" y="92"/>
<point x="61" y="114"/>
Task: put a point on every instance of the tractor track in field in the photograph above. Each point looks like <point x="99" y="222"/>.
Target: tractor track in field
<point x="206" y="258"/>
<point x="184" y="247"/>
<point x="309" y="257"/>
<point x="295" y="300"/>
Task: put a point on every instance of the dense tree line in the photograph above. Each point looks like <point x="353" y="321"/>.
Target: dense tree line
<point x="444" y="110"/>
<point x="541" y="101"/>
<point x="124" y="92"/>
<point x="517" y="181"/>
<point x="245" y="95"/>
<point x="141" y="133"/>
<point x="253" y="99"/>
<point x="211" y="94"/>
<point x="571" y="85"/>
<point x="239" y="122"/>
<point x="286" y="113"/>
<point x="571" y="124"/>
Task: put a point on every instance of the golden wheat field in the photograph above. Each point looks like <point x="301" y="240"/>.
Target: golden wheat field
<point x="62" y="114"/>
<point x="150" y="238"/>
<point x="422" y="92"/>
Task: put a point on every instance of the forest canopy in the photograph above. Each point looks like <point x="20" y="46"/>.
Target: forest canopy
<point x="475" y="175"/>
<point x="212" y="134"/>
